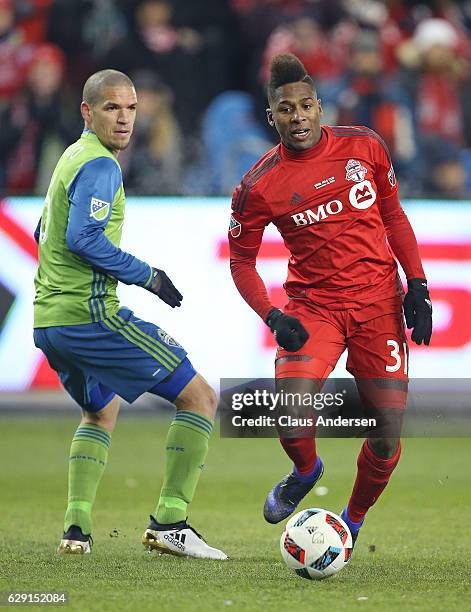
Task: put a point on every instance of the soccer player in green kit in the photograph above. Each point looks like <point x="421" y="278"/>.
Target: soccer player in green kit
<point x="99" y="349"/>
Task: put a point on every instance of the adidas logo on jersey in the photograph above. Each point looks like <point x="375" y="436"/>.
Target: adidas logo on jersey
<point x="296" y="199"/>
<point x="177" y="539"/>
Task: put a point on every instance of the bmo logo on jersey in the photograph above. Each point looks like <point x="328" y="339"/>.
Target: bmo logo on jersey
<point x="361" y="196"/>
<point x="308" y="217"/>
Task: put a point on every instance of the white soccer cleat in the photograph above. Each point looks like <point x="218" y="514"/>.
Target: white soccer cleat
<point x="179" y="539"/>
<point x="74" y="542"/>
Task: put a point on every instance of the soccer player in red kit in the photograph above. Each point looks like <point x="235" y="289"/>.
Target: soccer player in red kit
<point x="332" y="194"/>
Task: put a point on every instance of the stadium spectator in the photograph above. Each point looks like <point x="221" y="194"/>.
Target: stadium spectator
<point x="436" y="80"/>
<point x="102" y="27"/>
<point x="41" y="122"/>
<point x="400" y="67"/>
<point x="152" y="162"/>
<point x="305" y="38"/>
<point x="177" y="54"/>
<point x="366" y="95"/>
<point x="66" y="29"/>
<point x="14" y="53"/>
<point x="229" y="152"/>
<point x="446" y="175"/>
<point x="32" y="19"/>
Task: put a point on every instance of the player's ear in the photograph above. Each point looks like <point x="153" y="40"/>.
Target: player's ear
<point x="270" y="120"/>
<point x="319" y="106"/>
<point x="86" y="112"/>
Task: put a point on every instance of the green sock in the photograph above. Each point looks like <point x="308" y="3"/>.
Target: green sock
<point x="185" y="449"/>
<point x="88" y="455"/>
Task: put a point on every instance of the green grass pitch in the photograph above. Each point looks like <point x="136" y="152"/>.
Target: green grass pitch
<point x="413" y="552"/>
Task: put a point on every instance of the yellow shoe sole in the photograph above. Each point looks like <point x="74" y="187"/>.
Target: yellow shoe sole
<point x="150" y="542"/>
<point x="73" y="547"/>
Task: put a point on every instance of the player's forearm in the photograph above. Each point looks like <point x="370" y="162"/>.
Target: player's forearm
<point x="401" y="238"/>
<point x="101" y="253"/>
<point x="251" y="287"/>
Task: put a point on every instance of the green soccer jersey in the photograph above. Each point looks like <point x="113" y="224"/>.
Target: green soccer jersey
<point x="80" y="261"/>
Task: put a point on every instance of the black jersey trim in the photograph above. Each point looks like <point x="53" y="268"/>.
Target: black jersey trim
<point x="249" y="181"/>
<point x="365" y="132"/>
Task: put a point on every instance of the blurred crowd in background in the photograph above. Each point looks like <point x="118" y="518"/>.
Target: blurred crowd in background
<point x="400" y="67"/>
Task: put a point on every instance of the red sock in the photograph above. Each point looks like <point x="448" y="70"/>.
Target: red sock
<point x="302" y="452"/>
<point x="372" y="477"/>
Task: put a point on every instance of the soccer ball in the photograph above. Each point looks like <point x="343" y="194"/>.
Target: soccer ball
<point x="316" y="543"/>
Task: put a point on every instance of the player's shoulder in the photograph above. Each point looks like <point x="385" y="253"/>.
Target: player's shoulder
<point x="99" y="168"/>
<point x="264" y="166"/>
<point x="101" y="164"/>
<point x="252" y="180"/>
<point x="97" y="172"/>
<point x="344" y="133"/>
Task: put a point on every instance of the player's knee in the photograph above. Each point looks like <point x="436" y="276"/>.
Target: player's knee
<point x="105" y="418"/>
<point x="198" y="396"/>
<point x="211" y="401"/>
<point x="383" y="447"/>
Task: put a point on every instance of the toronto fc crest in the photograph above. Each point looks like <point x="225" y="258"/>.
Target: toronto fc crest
<point x="355" y="171"/>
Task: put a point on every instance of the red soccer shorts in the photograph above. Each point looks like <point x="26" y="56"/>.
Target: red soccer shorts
<point x="373" y="335"/>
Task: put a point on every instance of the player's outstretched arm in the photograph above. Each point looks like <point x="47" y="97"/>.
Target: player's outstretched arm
<point x="91" y="197"/>
<point x="401" y="238"/>
<point x="245" y="238"/>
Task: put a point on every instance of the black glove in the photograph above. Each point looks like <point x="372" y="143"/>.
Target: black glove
<point x="288" y="331"/>
<point x="418" y="310"/>
<point x="163" y="287"/>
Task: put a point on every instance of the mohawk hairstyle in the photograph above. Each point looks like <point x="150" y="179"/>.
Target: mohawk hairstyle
<point x="286" y="68"/>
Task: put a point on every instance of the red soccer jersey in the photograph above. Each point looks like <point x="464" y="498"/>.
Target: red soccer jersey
<point x="334" y="205"/>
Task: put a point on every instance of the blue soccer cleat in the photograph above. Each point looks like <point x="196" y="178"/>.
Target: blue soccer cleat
<point x="284" y="498"/>
<point x="354" y="527"/>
